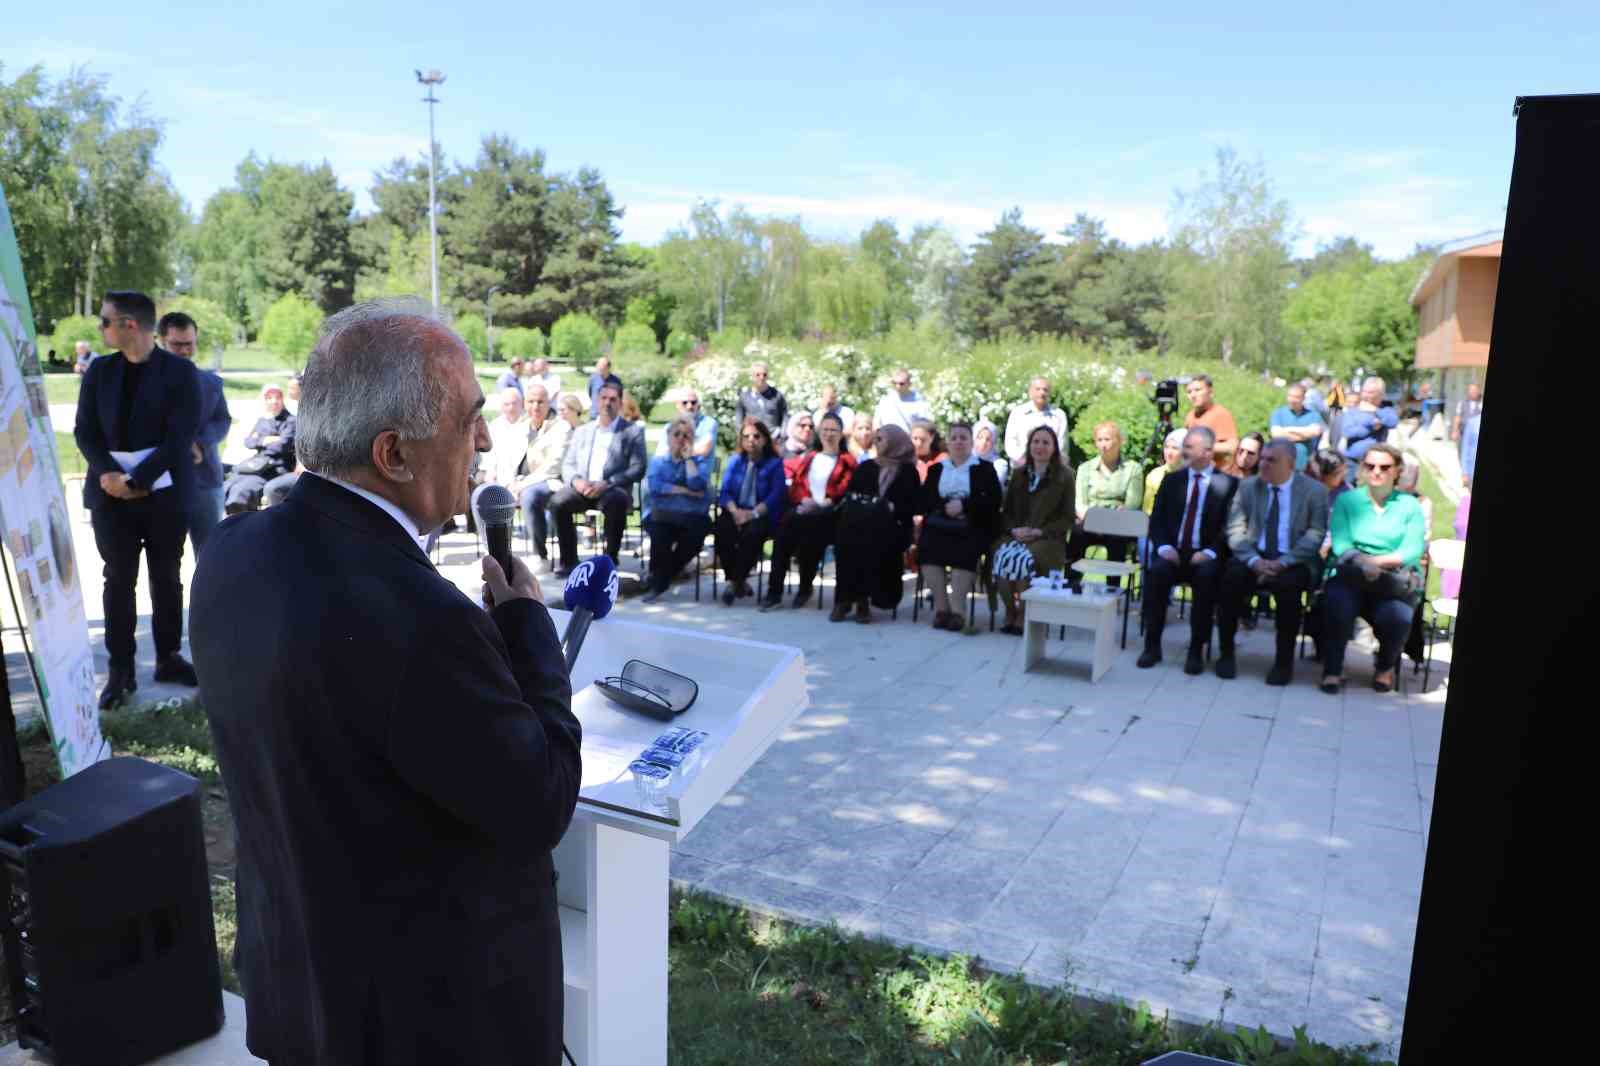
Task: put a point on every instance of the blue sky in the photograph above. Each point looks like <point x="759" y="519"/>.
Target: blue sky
<point x="1388" y="120"/>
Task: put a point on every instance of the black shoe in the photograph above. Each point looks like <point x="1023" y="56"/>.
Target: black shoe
<point x="745" y="591"/>
<point x="119" y="684"/>
<point x="176" y="668"/>
<point x="1194" y="663"/>
<point x="802" y="598"/>
<point x="1226" y="666"/>
<point x="1148" y="658"/>
<point x="772" y="603"/>
<point x="653" y="595"/>
<point x="1281" y="673"/>
<point x="728" y="595"/>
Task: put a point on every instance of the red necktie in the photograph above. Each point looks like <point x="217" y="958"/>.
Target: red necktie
<point x="1191" y="512"/>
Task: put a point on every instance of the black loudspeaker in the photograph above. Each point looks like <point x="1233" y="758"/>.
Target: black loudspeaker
<point x="110" y="950"/>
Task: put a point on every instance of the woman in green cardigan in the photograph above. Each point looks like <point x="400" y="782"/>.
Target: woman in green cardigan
<point x="1036" y="518"/>
<point x="1378" y="539"/>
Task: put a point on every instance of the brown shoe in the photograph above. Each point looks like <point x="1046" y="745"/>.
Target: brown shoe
<point x="840" y="612"/>
<point x="863" y="612"/>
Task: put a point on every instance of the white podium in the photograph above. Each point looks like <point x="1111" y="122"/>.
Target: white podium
<point x="613" y="861"/>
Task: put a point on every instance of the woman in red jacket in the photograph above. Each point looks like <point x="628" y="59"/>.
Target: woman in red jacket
<point x="818" y="481"/>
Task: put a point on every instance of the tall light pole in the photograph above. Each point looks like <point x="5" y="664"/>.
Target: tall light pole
<point x="488" y="308"/>
<point x="430" y="79"/>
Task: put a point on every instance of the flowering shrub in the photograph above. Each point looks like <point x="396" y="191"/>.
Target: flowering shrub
<point x="718" y="379"/>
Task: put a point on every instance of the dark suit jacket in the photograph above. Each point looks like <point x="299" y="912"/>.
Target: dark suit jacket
<point x="1172" y="499"/>
<point x="982" y="505"/>
<point x="399" y="763"/>
<point x="166" y="416"/>
<point x="624" y="461"/>
<point x="215" y="421"/>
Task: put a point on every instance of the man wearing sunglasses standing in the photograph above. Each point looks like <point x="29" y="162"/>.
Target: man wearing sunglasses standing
<point x="705" y="426"/>
<point x="138" y="416"/>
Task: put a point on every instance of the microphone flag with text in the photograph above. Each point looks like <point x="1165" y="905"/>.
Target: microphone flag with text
<point x="591" y="592"/>
<point x="496" y="510"/>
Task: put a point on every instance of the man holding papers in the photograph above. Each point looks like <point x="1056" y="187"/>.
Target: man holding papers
<point x="138" y="414"/>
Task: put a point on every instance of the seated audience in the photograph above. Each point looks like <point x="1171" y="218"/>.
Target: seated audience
<point x="549" y="435"/>
<point x="873" y="529"/>
<point x="1189" y="534"/>
<point x="750" y="505"/>
<point x="630" y="408"/>
<point x="986" y="446"/>
<point x="1172" y="456"/>
<point x="799" y="440"/>
<point x="1205" y="411"/>
<point x="1036" y="410"/>
<point x="1035" y="520"/>
<point x="862" y="437"/>
<point x="1378" y="542"/>
<point x="1275" y="530"/>
<point x="705" y="426"/>
<point x="272" y="439"/>
<point x="830" y="404"/>
<point x="926" y="445"/>
<point x="604" y="460"/>
<point x="508" y="440"/>
<point x="1248" y="456"/>
<point x="1299" y="423"/>
<point x="901" y="405"/>
<point x="680" y="506"/>
<point x="961" y="500"/>
<point x="1366" y="424"/>
<point x="818" y="480"/>
<point x="1108" y="481"/>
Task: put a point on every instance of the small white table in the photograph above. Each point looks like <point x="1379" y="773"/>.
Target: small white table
<point x="1094" y="611"/>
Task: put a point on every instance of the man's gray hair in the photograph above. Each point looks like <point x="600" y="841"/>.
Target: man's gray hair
<point x="371" y="371"/>
<point x="1374" y="380"/>
<point x="1204" y="433"/>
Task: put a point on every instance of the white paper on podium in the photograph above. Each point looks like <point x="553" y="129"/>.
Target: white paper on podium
<point x="129" y="461"/>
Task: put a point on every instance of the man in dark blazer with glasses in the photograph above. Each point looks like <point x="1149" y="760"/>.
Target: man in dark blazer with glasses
<point x="143" y="402"/>
<point x="1188" y="543"/>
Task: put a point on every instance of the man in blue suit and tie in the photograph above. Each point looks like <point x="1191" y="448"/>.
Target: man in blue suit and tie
<point x="180" y="336"/>
<point x="142" y="403"/>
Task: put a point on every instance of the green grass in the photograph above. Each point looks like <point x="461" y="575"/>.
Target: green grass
<point x="748" y="989"/>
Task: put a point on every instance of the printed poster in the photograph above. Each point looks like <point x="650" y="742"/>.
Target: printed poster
<point x="35" y="531"/>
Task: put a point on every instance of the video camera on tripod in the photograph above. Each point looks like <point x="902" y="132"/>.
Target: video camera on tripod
<point x="1166" y="401"/>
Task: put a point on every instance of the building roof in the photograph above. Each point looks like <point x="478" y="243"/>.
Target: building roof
<point x="1485" y="245"/>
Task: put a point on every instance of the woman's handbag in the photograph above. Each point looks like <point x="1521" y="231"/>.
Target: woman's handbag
<point x="1402" y="584"/>
<point x="259" y="465"/>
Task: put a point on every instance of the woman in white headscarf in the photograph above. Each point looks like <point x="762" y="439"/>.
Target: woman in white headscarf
<point x="986" y="446"/>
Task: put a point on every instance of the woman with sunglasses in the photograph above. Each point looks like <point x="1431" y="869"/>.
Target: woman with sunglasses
<point x="1378" y="540"/>
<point x="818" y="480"/>
<point x="680" y="498"/>
<point x="749" y="506"/>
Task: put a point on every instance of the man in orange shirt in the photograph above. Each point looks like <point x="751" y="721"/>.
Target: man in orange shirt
<point x="1205" y="411"/>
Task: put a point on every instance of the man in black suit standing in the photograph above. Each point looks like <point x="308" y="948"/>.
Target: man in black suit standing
<point x="138" y="414"/>
<point x="1275" y="531"/>
<point x="399" y="760"/>
<point x="1188" y="541"/>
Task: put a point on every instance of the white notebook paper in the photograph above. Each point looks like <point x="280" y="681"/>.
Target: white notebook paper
<point x="129" y="461"/>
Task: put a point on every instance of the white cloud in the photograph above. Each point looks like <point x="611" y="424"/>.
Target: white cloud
<point x="1397" y="214"/>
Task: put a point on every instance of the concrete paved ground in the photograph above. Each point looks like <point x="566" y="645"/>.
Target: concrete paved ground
<point x="1216" y="848"/>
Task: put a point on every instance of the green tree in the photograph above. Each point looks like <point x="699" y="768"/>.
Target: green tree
<point x="471" y="328"/>
<point x="997" y="257"/>
<point x="576" y="339"/>
<point x="227" y="245"/>
<point x="305" y="219"/>
<point x="1357" y="318"/>
<point x="586" y="271"/>
<point x="700" y="265"/>
<point x="496" y="230"/>
<point x="519" y="342"/>
<point x="290" y="328"/>
<point x="882" y="247"/>
<point x="71" y="330"/>
<point x="936" y="264"/>
<point x="214" y="326"/>
<point x="634" y="338"/>
<point x="91" y="208"/>
<point x="1231" y="267"/>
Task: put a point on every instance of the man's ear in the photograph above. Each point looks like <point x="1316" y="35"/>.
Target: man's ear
<point x="390" y="458"/>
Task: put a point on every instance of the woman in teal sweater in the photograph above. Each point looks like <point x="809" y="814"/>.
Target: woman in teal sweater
<point x="1377" y="536"/>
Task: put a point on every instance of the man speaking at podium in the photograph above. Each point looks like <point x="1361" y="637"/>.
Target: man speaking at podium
<point x="399" y="761"/>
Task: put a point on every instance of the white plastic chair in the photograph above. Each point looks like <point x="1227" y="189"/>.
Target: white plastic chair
<point x="1115" y="522"/>
<point x="1444" y="554"/>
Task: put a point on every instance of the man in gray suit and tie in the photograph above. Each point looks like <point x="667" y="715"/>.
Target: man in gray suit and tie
<point x="1275" y="530"/>
<point x="604" y="460"/>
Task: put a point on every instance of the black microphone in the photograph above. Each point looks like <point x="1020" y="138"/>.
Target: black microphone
<point x="591" y="592"/>
<point x="496" y="510"/>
